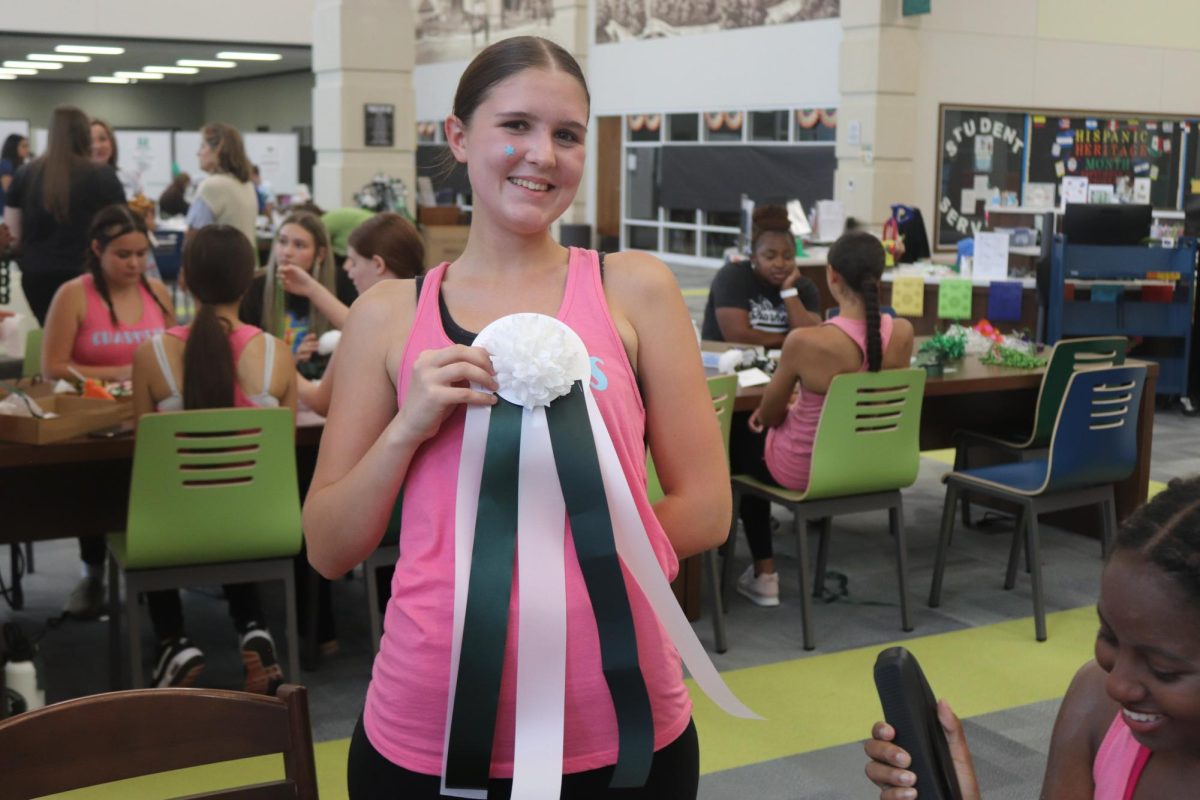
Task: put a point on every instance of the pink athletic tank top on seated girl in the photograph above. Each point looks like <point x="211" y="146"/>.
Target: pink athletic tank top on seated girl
<point x="1119" y="763"/>
<point x="238" y="339"/>
<point x="788" y="451"/>
<point x="99" y="343"/>
<point x="405" y="712"/>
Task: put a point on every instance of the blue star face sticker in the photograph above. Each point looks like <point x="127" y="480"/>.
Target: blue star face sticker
<point x="509" y="150"/>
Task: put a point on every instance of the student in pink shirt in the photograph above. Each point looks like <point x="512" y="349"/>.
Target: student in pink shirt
<point x="519" y="123"/>
<point x="93" y="328"/>
<point x="1129" y="725"/>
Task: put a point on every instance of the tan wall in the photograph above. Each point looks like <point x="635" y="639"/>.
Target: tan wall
<point x="1093" y="55"/>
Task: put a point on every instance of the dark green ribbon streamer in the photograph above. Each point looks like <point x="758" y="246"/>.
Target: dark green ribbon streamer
<point x="591" y="527"/>
<point x="485" y="627"/>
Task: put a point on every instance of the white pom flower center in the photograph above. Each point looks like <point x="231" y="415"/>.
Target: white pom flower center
<point x="537" y="358"/>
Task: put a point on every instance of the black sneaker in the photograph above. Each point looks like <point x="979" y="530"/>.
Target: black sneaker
<point x="179" y="663"/>
<point x="263" y="673"/>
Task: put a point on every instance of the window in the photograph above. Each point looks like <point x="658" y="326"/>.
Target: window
<point x="641" y="183"/>
<point x="644" y="127"/>
<point x="683" y="127"/>
<point x="768" y="126"/>
<point x="723" y="126"/>
<point x="816" y="125"/>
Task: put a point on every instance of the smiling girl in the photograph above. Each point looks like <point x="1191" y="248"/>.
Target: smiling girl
<point x="1129" y="725"/>
<point x="519" y="123"/>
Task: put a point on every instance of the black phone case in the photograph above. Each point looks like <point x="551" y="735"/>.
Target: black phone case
<point x="909" y="707"/>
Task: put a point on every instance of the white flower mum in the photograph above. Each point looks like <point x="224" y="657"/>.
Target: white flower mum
<point x="537" y="358"/>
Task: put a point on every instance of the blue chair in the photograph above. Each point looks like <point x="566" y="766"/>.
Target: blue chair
<point x="1093" y="446"/>
<point x="833" y="311"/>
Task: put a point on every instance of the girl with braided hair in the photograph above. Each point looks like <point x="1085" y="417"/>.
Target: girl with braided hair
<point x="1129" y="725"/>
<point x="93" y="328"/>
<point x="858" y="339"/>
<point x="97" y="321"/>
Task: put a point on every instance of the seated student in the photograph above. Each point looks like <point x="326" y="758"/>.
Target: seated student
<point x="302" y="243"/>
<point x="94" y="325"/>
<point x="758" y="302"/>
<point x="1129" y="724"/>
<point x="383" y="247"/>
<point x="215" y="362"/>
<point x="858" y="339"/>
<point x="97" y="321"/>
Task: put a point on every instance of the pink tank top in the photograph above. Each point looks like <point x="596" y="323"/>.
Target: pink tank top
<point x="98" y="343"/>
<point x="788" y="451"/>
<point x="238" y="340"/>
<point x="1119" y="763"/>
<point x="405" y="713"/>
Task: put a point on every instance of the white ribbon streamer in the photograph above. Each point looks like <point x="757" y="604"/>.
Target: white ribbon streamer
<point x="542" y="604"/>
<point x="633" y="546"/>
<point x="470" y="476"/>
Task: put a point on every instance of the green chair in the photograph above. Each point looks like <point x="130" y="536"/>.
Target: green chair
<point x="33" y="354"/>
<point x="723" y="391"/>
<point x="213" y="499"/>
<point x="1067" y="357"/>
<point x="865" y="451"/>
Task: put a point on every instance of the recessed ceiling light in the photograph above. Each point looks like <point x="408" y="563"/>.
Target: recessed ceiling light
<point x="17" y="71"/>
<point x="200" y="62"/>
<point x="139" y="76"/>
<point x="32" y="65"/>
<point x="239" y="56"/>
<point x="60" y="58"/>
<point x="172" y="70"/>
<point x="89" y="50"/>
<point x="4" y="77"/>
<point x="106" y="79"/>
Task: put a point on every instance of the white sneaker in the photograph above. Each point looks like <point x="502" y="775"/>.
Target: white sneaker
<point x="762" y="590"/>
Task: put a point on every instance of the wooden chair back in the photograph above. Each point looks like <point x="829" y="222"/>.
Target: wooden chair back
<point x="110" y="737"/>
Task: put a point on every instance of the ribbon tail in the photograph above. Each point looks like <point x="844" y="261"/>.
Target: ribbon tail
<point x="542" y="609"/>
<point x="470" y="475"/>
<point x="633" y="545"/>
<point x="485" y="624"/>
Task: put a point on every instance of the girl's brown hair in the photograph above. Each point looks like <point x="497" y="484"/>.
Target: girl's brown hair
<point x="394" y="239"/>
<point x="110" y="223"/>
<point x="67" y="147"/>
<point x="225" y="141"/>
<point x="112" y="159"/>
<point x="218" y="264"/>
<point x="859" y="258"/>
<point x="770" y="219"/>
<point x="323" y="269"/>
<point x="505" y="58"/>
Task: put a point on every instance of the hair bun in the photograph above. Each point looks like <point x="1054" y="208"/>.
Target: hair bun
<point x="771" y="218"/>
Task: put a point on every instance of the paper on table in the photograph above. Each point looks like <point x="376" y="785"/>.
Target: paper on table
<point x="991" y="256"/>
<point x="831" y="219"/>
<point x="967" y="206"/>
<point x="954" y="298"/>
<point x="752" y="377"/>
<point x="908" y="295"/>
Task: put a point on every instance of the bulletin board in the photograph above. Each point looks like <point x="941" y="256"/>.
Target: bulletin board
<point x="186" y="144"/>
<point x="11" y="126"/>
<point x="146" y="155"/>
<point x="1006" y="156"/>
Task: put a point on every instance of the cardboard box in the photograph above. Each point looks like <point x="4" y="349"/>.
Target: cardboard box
<point x="77" y="416"/>
<point x="444" y="242"/>
<point x="439" y="215"/>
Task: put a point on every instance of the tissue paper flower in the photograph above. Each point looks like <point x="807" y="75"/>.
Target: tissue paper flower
<point x="537" y="358"/>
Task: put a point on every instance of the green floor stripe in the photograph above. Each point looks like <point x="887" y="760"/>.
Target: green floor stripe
<point x="1155" y="488"/>
<point x="945" y="456"/>
<point x="810" y="703"/>
<point x="823" y="701"/>
<point x="695" y="292"/>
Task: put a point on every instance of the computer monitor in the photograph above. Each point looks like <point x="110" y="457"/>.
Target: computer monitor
<point x="1107" y="224"/>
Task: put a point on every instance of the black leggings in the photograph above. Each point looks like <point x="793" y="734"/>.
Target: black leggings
<point x="746" y="458"/>
<point x="674" y="775"/>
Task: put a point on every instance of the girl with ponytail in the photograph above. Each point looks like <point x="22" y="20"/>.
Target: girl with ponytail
<point x="858" y="339"/>
<point x="215" y="362"/>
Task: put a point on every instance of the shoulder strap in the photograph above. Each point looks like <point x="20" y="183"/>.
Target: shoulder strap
<point x="160" y="354"/>
<point x="268" y="362"/>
